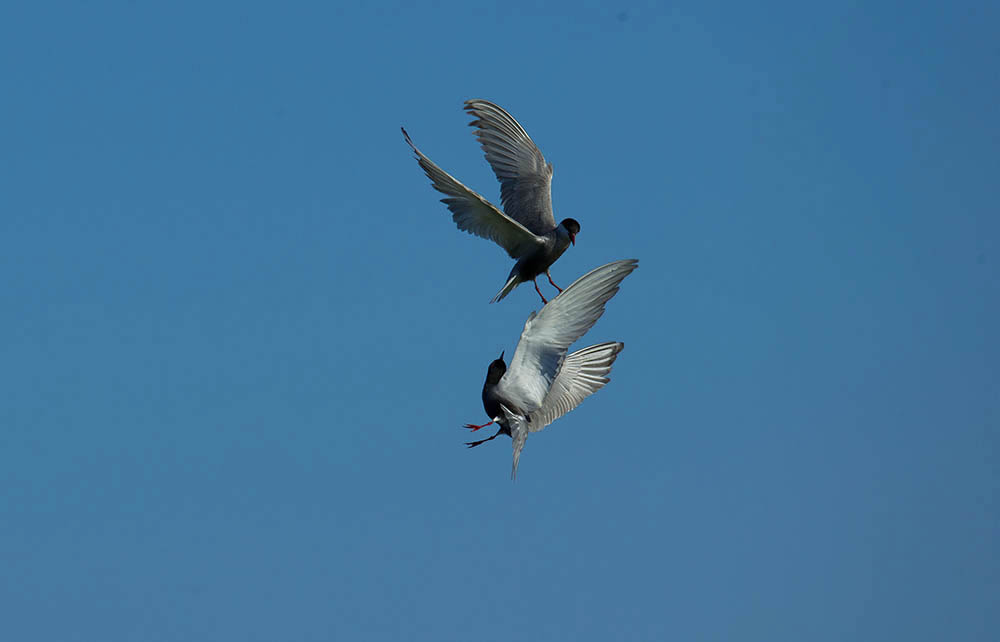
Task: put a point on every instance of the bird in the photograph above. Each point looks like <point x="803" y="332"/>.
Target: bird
<point x="543" y="383"/>
<point x="525" y="228"/>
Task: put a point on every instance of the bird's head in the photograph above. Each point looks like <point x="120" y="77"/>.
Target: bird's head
<point x="572" y="227"/>
<point x="497" y="369"/>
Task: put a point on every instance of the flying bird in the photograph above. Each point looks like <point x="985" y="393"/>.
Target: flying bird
<point x="525" y="228"/>
<point x="543" y="383"/>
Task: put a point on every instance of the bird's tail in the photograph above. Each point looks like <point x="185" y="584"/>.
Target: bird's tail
<point x="512" y="282"/>
<point x="518" y="435"/>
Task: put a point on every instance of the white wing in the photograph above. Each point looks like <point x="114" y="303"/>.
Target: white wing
<point x="518" y="435"/>
<point x="525" y="178"/>
<point x="548" y="334"/>
<point x="474" y="214"/>
<point x="582" y="374"/>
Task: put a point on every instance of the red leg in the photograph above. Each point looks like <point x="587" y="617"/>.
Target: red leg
<point x="544" y="300"/>
<point x="552" y="282"/>
<point x="474" y="427"/>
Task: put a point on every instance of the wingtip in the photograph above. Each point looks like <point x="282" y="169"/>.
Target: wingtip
<point x="416" y="152"/>
<point x="616" y="347"/>
<point x="625" y="264"/>
<point x="477" y="107"/>
<point x="615" y="267"/>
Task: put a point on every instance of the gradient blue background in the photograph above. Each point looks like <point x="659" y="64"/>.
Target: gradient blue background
<point x="240" y="334"/>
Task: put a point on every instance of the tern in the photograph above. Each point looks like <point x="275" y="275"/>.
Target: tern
<point x="543" y="383"/>
<point x="525" y="228"/>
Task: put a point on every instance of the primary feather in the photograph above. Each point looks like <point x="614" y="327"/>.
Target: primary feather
<point x="525" y="178"/>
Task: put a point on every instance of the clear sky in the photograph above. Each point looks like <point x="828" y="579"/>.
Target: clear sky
<point x="241" y="335"/>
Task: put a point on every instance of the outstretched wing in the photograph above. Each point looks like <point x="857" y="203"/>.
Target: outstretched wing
<point x="525" y="178"/>
<point x="474" y="214"/>
<point x="548" y="334"/>
<point x="518" y="435"/>
<point x="582" y="374"/>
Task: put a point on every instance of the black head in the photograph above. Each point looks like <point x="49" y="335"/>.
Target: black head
<point x="496" y="371"/>
<point x="572" y="227"/>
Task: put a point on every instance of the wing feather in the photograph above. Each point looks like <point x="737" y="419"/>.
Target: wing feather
<point x="474" y="214"/>
<point x="582" y="374"/>
<point x="525" y="178"/>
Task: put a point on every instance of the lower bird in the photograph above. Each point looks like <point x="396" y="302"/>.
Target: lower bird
<point x="543" y="383"/>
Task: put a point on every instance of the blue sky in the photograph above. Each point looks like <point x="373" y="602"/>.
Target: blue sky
<point x="242" y="336"/>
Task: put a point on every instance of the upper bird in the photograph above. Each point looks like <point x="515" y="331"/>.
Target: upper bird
<point x="526" y="227"/>
<point x="543" y="383"/>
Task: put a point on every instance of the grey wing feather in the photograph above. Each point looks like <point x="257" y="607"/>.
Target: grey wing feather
<point x="548" y="334"/>
<point x="582" y="374"/>
<point x="525" y="178"/>
<point x="474" y="214"/>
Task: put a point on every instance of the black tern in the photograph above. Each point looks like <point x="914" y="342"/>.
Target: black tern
<point x="525" y="228"/>
<point x="543" y="383"/>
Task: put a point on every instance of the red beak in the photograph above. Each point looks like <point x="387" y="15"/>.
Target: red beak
<point x="572" y="239"/>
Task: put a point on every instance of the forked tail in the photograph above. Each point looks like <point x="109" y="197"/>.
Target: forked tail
<point x="512" y="283"/>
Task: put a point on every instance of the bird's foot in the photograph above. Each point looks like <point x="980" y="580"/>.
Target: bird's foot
<point x="474" y="427"/>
